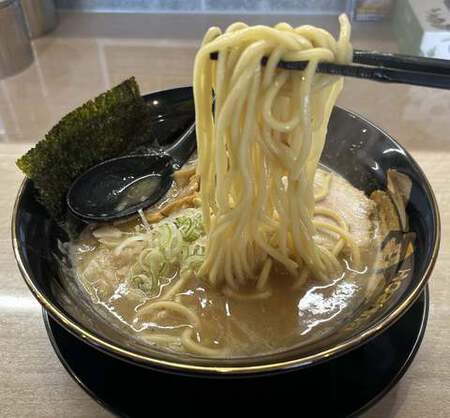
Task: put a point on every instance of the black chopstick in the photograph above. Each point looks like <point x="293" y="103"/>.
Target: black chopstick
<point x="385" y="75"/>
<point x="388" y="75"/>
<point x="403" y="62"/>
<point x="389" y="68"/>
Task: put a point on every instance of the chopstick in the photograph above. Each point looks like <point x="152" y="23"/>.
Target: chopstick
<point x="385" y="75"/>
<point x="384" y="67"/>
<point x="403" y="62"/>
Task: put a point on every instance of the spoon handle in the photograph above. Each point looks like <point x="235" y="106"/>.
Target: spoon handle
<point x="182" y="148"/>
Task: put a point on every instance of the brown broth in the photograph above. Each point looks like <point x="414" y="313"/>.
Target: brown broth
<point x="241" y="327"/>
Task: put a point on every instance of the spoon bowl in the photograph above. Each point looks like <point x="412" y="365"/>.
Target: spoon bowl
<point x="120" y="187"/>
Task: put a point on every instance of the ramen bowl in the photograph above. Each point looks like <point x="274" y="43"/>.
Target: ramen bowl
<point x="355" y="148"/>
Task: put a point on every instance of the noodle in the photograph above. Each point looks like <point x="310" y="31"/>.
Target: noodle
<point x="268" y="125"/>
<point x="181" y="282"/>
<point x="172" y="306"/>
<point x="324" y="191"/>
<point x="194" y="347"/>
<point x="264" y="276"/>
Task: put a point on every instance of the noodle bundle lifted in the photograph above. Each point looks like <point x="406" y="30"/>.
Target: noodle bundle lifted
<point x="259" y="151"/>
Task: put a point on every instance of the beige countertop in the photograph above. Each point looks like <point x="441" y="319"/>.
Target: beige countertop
<point x="83" y="58"/>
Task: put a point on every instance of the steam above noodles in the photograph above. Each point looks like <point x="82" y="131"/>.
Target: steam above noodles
<point x="259" y="151"/>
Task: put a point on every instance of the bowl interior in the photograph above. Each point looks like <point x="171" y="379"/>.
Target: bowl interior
<point x="355" y="148"/>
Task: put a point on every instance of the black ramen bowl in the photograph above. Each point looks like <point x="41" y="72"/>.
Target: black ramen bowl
<point x="355" y="148"/>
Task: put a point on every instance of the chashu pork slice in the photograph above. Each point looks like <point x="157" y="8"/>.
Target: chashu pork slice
<point x="356" y="209"/>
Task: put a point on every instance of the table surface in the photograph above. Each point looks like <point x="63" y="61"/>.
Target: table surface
<point x="71" y="66"/>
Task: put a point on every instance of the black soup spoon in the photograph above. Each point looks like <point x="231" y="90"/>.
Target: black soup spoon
<point x="121" y="186"/>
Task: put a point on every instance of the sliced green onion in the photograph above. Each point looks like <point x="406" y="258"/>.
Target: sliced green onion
<point x="144" y="283"/>
<point x="177" y="242"/>
<point x="190" y="225"/>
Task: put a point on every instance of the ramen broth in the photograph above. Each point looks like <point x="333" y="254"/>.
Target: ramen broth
<point x="235" y="325"/>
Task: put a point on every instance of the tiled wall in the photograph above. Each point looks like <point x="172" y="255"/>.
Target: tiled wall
<point x="206" y="6"/>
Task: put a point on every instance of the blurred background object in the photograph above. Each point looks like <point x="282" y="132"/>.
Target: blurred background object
<point x="358" y="9"/>
<point x="15" y="48"/>
<point x="369" y="10"/>
<point x="206" y="6"/>
<point x="40" y="16"/>
<point x="423" y="27"/>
